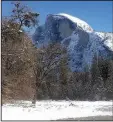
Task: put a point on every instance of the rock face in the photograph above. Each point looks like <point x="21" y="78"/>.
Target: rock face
<point x="81" y="41"/>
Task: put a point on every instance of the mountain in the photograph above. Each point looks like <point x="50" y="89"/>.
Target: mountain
<point x="80" y="39"/>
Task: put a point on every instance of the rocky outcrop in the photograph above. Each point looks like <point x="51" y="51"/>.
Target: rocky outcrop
<point x="81" y="41"/>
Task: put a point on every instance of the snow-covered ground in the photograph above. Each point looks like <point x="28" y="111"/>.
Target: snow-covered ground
<point x="54" y="110"/>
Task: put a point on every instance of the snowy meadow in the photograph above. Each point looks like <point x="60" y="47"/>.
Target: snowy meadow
<point x="55" y="110"/>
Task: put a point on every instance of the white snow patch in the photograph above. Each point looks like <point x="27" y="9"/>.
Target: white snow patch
<point x="73" y="42"/>
<point x="79" y="22"/>
<point x="53" y="110"/>
<point x="107" y="38"/>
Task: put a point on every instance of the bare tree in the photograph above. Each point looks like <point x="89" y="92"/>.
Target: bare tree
<point x="48" y="58"/>
<point x="24" y="16"/>
<point x="17" y="49"/>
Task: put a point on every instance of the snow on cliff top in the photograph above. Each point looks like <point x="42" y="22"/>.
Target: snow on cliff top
<point x="79" y="22"/>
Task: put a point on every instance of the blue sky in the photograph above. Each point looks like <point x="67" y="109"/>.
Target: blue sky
<point x="97" y="14"/>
